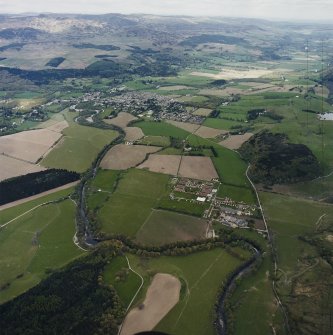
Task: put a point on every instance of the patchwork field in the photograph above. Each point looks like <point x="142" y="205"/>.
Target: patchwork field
<point x="167" y="164"/>
<point x="184" y="166"/>
<point x="123" y="157"/>
<point x="28" y="145"/>
<point x="78" y="147"/>
<point x="121" y="120"/>
<point x="190" y="127"/>
<point x="162" y="295"/>
<point x="164" y="227"/>
<point x="201" y="275"/>
<point x="197" y="168"/>
<point x="11" y="167"/>
<point x="234" y="142"/>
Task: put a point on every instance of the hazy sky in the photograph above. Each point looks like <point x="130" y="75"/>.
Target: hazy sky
<point x="275" y="9"/>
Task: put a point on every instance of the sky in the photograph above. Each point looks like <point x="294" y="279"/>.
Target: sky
<point x="300" y="10"/>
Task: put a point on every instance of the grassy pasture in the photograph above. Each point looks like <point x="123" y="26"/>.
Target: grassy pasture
<point x="130" y="205"/>
<point x="237" y="193"/>
<point x="201" y="275"/>
<point x="125" y="282"/>
<point x="161" y="129"/>
<point x="79" y="147"/>
<point x="32" y="245"/>
<point x="164" y="227"/>
<point x="160" y="141"/>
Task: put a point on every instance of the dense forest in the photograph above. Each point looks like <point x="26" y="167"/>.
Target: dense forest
<point x="71" y="301"/>
<point x="276" y="161"/>
<point x="33" y="183"/>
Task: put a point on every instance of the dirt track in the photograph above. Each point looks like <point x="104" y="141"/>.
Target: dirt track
<point x="162" y="295"/>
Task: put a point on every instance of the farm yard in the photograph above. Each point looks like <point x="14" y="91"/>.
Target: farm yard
<point x="123" y="157"/>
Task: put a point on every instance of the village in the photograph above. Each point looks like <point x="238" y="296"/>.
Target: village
<point x="221" y="210"/>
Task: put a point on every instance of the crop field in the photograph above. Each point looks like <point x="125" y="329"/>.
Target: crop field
<point x="11" y="167"/>
<point x="35" y="243"/>
<point x="123" y="157"/>
<point x="201" y="275"/>
<point x="29" y="145"/>
<point x="207" y="132"/>
<point x="161" y="129"/>
<point x="222" y="123"/>
<point x="161" y="296"/>
<point x="121" y="120"/>
<point x="197" y="168"/>
<point x="133" y="133"/>
<point x="202" y="111"/>
<point x="234" y="142"/>
<point x="79" y="146"/>
<point x="167" y="164"/>
<point x="130" y="205"/>
<point x="164" y="227"/>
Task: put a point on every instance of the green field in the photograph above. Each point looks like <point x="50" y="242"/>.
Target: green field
<point x="160" y="141"/>
<point x="164" y="227"/>
<point x="130" y="205"/>
<point x="237" y="193"/>
<point x="36" y="243"/>
<point x="201" y="275"/>
<point x="125" y="282"/>
<point x="161" y="129"/>
<point x="79" y="147"/>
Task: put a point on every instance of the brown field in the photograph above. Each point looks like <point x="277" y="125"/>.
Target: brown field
<point x="207" y="132"/>
<point x="167" y="164"/>
<point x="162" y="295"/>
<point x="234" y="142"/>
<point x="197" y="168"/>
<point x="202" y="111"/>
<point x="235" y="74"/>
<point x="190" y="127"/>
<point x="123" y="157"/>
<point x="28" y="145"/>
<point x="58" y="127"/>
<point x="133" y="133"/>
<point x="121" y="120"/>
<point x="175" y="88"/>
<point x="11" y="167"/>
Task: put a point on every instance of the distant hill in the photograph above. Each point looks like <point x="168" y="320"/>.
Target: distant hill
<point x="276" y="161"/>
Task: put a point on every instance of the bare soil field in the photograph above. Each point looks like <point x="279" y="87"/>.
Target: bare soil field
<point x="58" y="127"/>
<point x="197" y="168"/>
<point x="207" y="132"/>
<point x="162" y="295"/>
<point x="202" y="111"/>
<point x="28" y="145"/>
<point x="167" y="164"/>
<point x="235" y="74"/>
<point x="121" y="120"/>
<point x="175" y="88"/>
<point x="234" y="142"/>
<point x="11" y="167"/>
<point x="123" y="157"/>
<point x="133" y="133"/>
<point x="190" y="127"/>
